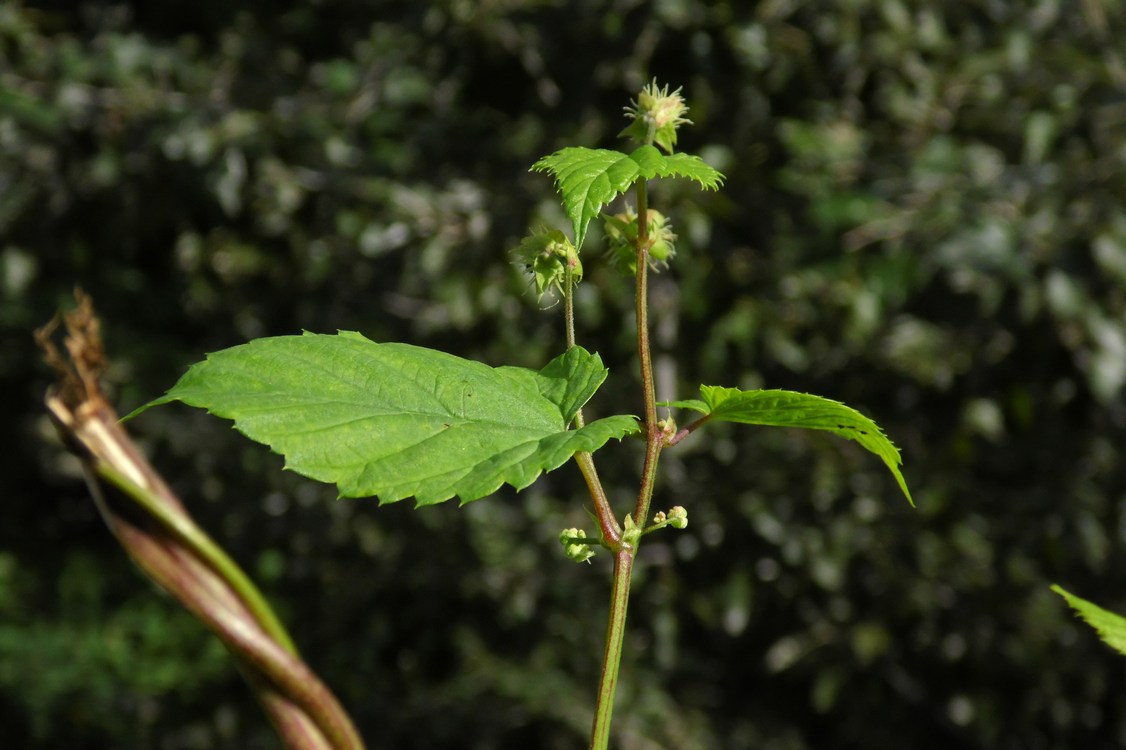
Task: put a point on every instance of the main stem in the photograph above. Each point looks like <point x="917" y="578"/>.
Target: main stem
<point x="654" y="440"/>
<point x="624" y="554"/>
<point x="612" y="656"/>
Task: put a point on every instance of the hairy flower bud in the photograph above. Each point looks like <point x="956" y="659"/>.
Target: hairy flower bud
<point x="621" y="237"/>
<point x="577" y="551"/>
<point x="656" y="115"/>
<point x="548" y="255"/>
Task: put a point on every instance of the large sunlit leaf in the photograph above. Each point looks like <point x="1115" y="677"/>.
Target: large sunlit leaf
<point x="398" y="421"/>
<point x="589" y="178"/>
<point x="776" y="408"/>
<point x="1111" y="627"/>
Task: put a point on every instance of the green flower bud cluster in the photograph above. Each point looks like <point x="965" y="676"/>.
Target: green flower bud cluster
<point x="549" y="256"/>
<point x="621" y="238"/>
<point x="677" y="517"/>
<point x="576" y="550"/>
<point x="656" y="114"/>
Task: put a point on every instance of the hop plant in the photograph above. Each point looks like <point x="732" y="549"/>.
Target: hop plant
<point x="656" y="115"/>
<point x="576" y="550"/>
<point x="621" y="236"/>
<point x="433" y="426"/>
<point x="677" y="517"/>
<point x="549" y="256"/>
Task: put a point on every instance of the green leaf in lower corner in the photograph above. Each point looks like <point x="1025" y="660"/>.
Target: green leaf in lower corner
<point x="1110" y="626"/>
<point x="398" y="421"/>
<point x="777" y="408"/>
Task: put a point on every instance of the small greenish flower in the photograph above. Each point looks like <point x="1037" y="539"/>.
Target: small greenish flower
<point x="576" y="550"/>
<point x="677" y="517"/>
<point x="549" y="256"/>
<point x="667" y="428"/>
<point x="621" y="238"/>
<point x="656" y="115"/>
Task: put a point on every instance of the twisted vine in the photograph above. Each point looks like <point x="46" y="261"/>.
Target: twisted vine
<point x="160" y="536"/>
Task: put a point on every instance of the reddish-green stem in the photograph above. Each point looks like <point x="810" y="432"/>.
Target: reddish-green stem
<point x="654" y="441"/>
<point x="653" y="438"/>
<point x="612" y="656"/>
<point x="611" y="532"/>
<point x="686" y="431"/>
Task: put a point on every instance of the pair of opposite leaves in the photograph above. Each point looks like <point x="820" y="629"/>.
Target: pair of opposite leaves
<point x="396" y="421"/>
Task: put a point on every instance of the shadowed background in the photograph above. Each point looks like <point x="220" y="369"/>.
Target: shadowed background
<point x="924" y="217"/>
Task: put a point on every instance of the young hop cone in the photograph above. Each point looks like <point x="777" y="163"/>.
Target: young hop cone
<point x="548" y="255"/>
<point x="576" y="550"/>
<point x="621" y="234"/>
<point x="656" y="115"/>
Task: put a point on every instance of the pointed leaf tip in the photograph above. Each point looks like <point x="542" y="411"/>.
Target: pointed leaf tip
<point x="1111" y="627"/>
<point x="778" y="408"/>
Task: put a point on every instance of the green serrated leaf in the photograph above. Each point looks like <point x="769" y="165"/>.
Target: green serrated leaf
<point x="1111" y="627"/>
<point x="652" y="163"/>
<point x="571" y="379"/>
<point x="589" y="178"/>
<point x="776" y="408"/>
<point x="395" y="420"/>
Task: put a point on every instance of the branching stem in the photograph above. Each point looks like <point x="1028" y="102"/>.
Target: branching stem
<point x="654" y="441"/>
<point x="611" y="531"/>
<point x="684" y="432"/>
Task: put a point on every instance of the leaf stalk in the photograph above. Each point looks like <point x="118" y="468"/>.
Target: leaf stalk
<point x="611" y="532"/>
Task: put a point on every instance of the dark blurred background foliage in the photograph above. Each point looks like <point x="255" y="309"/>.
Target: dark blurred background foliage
<point x="925" y="217"/>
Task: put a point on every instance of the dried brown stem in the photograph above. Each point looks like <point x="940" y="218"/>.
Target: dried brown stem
<point x="162" y="539"/>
